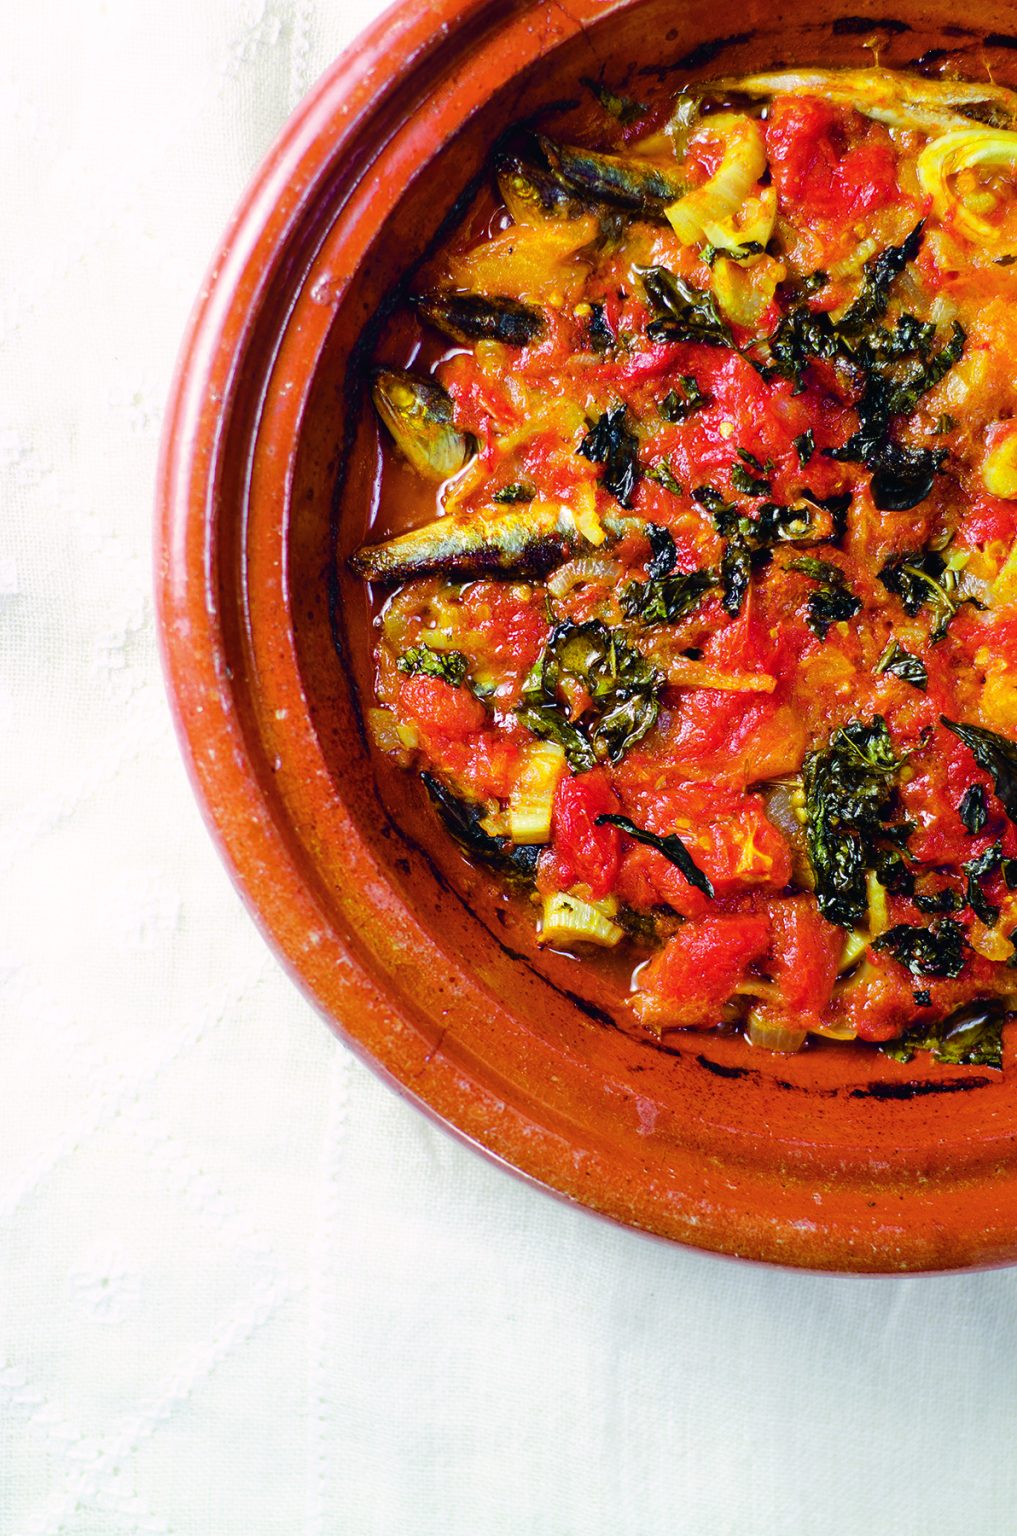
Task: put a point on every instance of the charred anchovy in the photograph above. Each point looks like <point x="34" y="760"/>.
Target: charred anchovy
<point x="530" y="541"/>
<point x="627" y="183"/>
<point x="527" y="189"/>
<point x="418" y="414"/>
<point x="475" y="317"/>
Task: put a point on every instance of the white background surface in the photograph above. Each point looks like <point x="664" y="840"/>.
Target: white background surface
<point x="243" y="1288"/>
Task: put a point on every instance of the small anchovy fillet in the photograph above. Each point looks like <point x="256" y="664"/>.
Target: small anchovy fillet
<point x="530" y="541"/>
<point x="418" y="414"/>
<point x="933" y="106"/>
<point x="532" y="194"/>
<point x="474" y="317"/>
<point x="628" y="183"/>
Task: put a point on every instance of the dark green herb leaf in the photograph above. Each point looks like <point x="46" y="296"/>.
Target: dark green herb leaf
<point x="622" y="685"/>
<point x="978" y="869"/>
<point x="946" y="899"/>
<point x="602" y="338"/>
<point x="970" y="1037"/>
<point x="664" y="475"/>
<point x="611" y="443"/>
<point x="749" y="485"/>
<point x="463" y="821"/>
<point x="623" y="108"/>
<point x="934" y="951"/>
<point x="924" y="578"/>
<point x="901" y="663"/>
<point x="805" y="445"/>
<point x="517" y="491"/>
<point x="550" y="723"/>
<point x="834" y="601"/>
<point x="735" y="574"/>
<point x="849" y="793"/>
<point x="670" y="846"/>
<point x="680" y="402"/>
<point x="879" y="273"/>
<point x="666" y="599"/>
<point x="801" y="336"/>
<point x="997" y="755"/>
<point x="945" y="423"/>
<point x="663" y="555"/>
<point x="450" y="666"/>
<point x="974" y="809"/>
<point x="682" y="313"/>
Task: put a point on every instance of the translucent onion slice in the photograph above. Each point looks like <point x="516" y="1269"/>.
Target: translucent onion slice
<point x="964" y="150"/>
<point x="743" y="162"/>
<point x="771" y="1036"/>
<point x="569" y="920"/>
<point x="586" y="568"/>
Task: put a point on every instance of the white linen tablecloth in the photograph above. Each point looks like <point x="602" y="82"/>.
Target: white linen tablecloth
<point x="244" y="1289"/>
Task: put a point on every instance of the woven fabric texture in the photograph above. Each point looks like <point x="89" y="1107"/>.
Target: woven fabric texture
<point x="244" y="1289"/>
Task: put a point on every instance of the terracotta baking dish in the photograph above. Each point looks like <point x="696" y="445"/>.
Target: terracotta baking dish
<point x="836" y="1158"/>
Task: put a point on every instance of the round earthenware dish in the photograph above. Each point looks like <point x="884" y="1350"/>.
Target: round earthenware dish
<point x="836" y="1158"/>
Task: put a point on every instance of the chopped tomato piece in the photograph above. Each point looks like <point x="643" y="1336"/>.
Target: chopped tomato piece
<point x="806" y="951"/>
<point x="439" y="710"/>
<point x="582" y="852"/>
<point x="687" y="984"/>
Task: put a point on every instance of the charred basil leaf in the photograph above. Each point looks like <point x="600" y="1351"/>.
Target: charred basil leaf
<point x="421" y="660"/>
<point x="933" y="951"/>
<point x="602" y="338"/>
<point x="996" y="754"/>
<point x="921" y="579"/>
<point x="973" y="809"/>
<point x="849" y="799"/>
<point x="666" y="599"/>
<point x="944" y="900"/>
<point x="901" y="663"/>
<point x="681" y="401"/>
<point x="805" y="446"/>
<point x="970" y="1037"/>
<point x="833" y="601"/>
<point x="670" y="846"/>
<point x="801" y="336"/>
<point x="611" y="443"/>
<point x="682" y="313"/>
<point x="463" y="821"/>
<point x="663" y="555"/>
<point x="978" y="869"/>
<point x="735" y="574"/>
<point x="748" y="483"/>
<point x="879" y="273"/>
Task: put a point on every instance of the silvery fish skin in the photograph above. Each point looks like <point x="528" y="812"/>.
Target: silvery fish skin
<point x="530" y="541"/>
<point x="469" y="317"/>
<point x="526" y="190"/>
<point x="418" y="415"/>
<point x="638" y="185"/>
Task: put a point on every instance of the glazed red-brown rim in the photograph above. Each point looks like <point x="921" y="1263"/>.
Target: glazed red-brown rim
<point x="768" y="1218"/>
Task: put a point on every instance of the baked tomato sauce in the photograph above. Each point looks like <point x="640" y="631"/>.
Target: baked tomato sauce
<point x="705" y="628"/>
